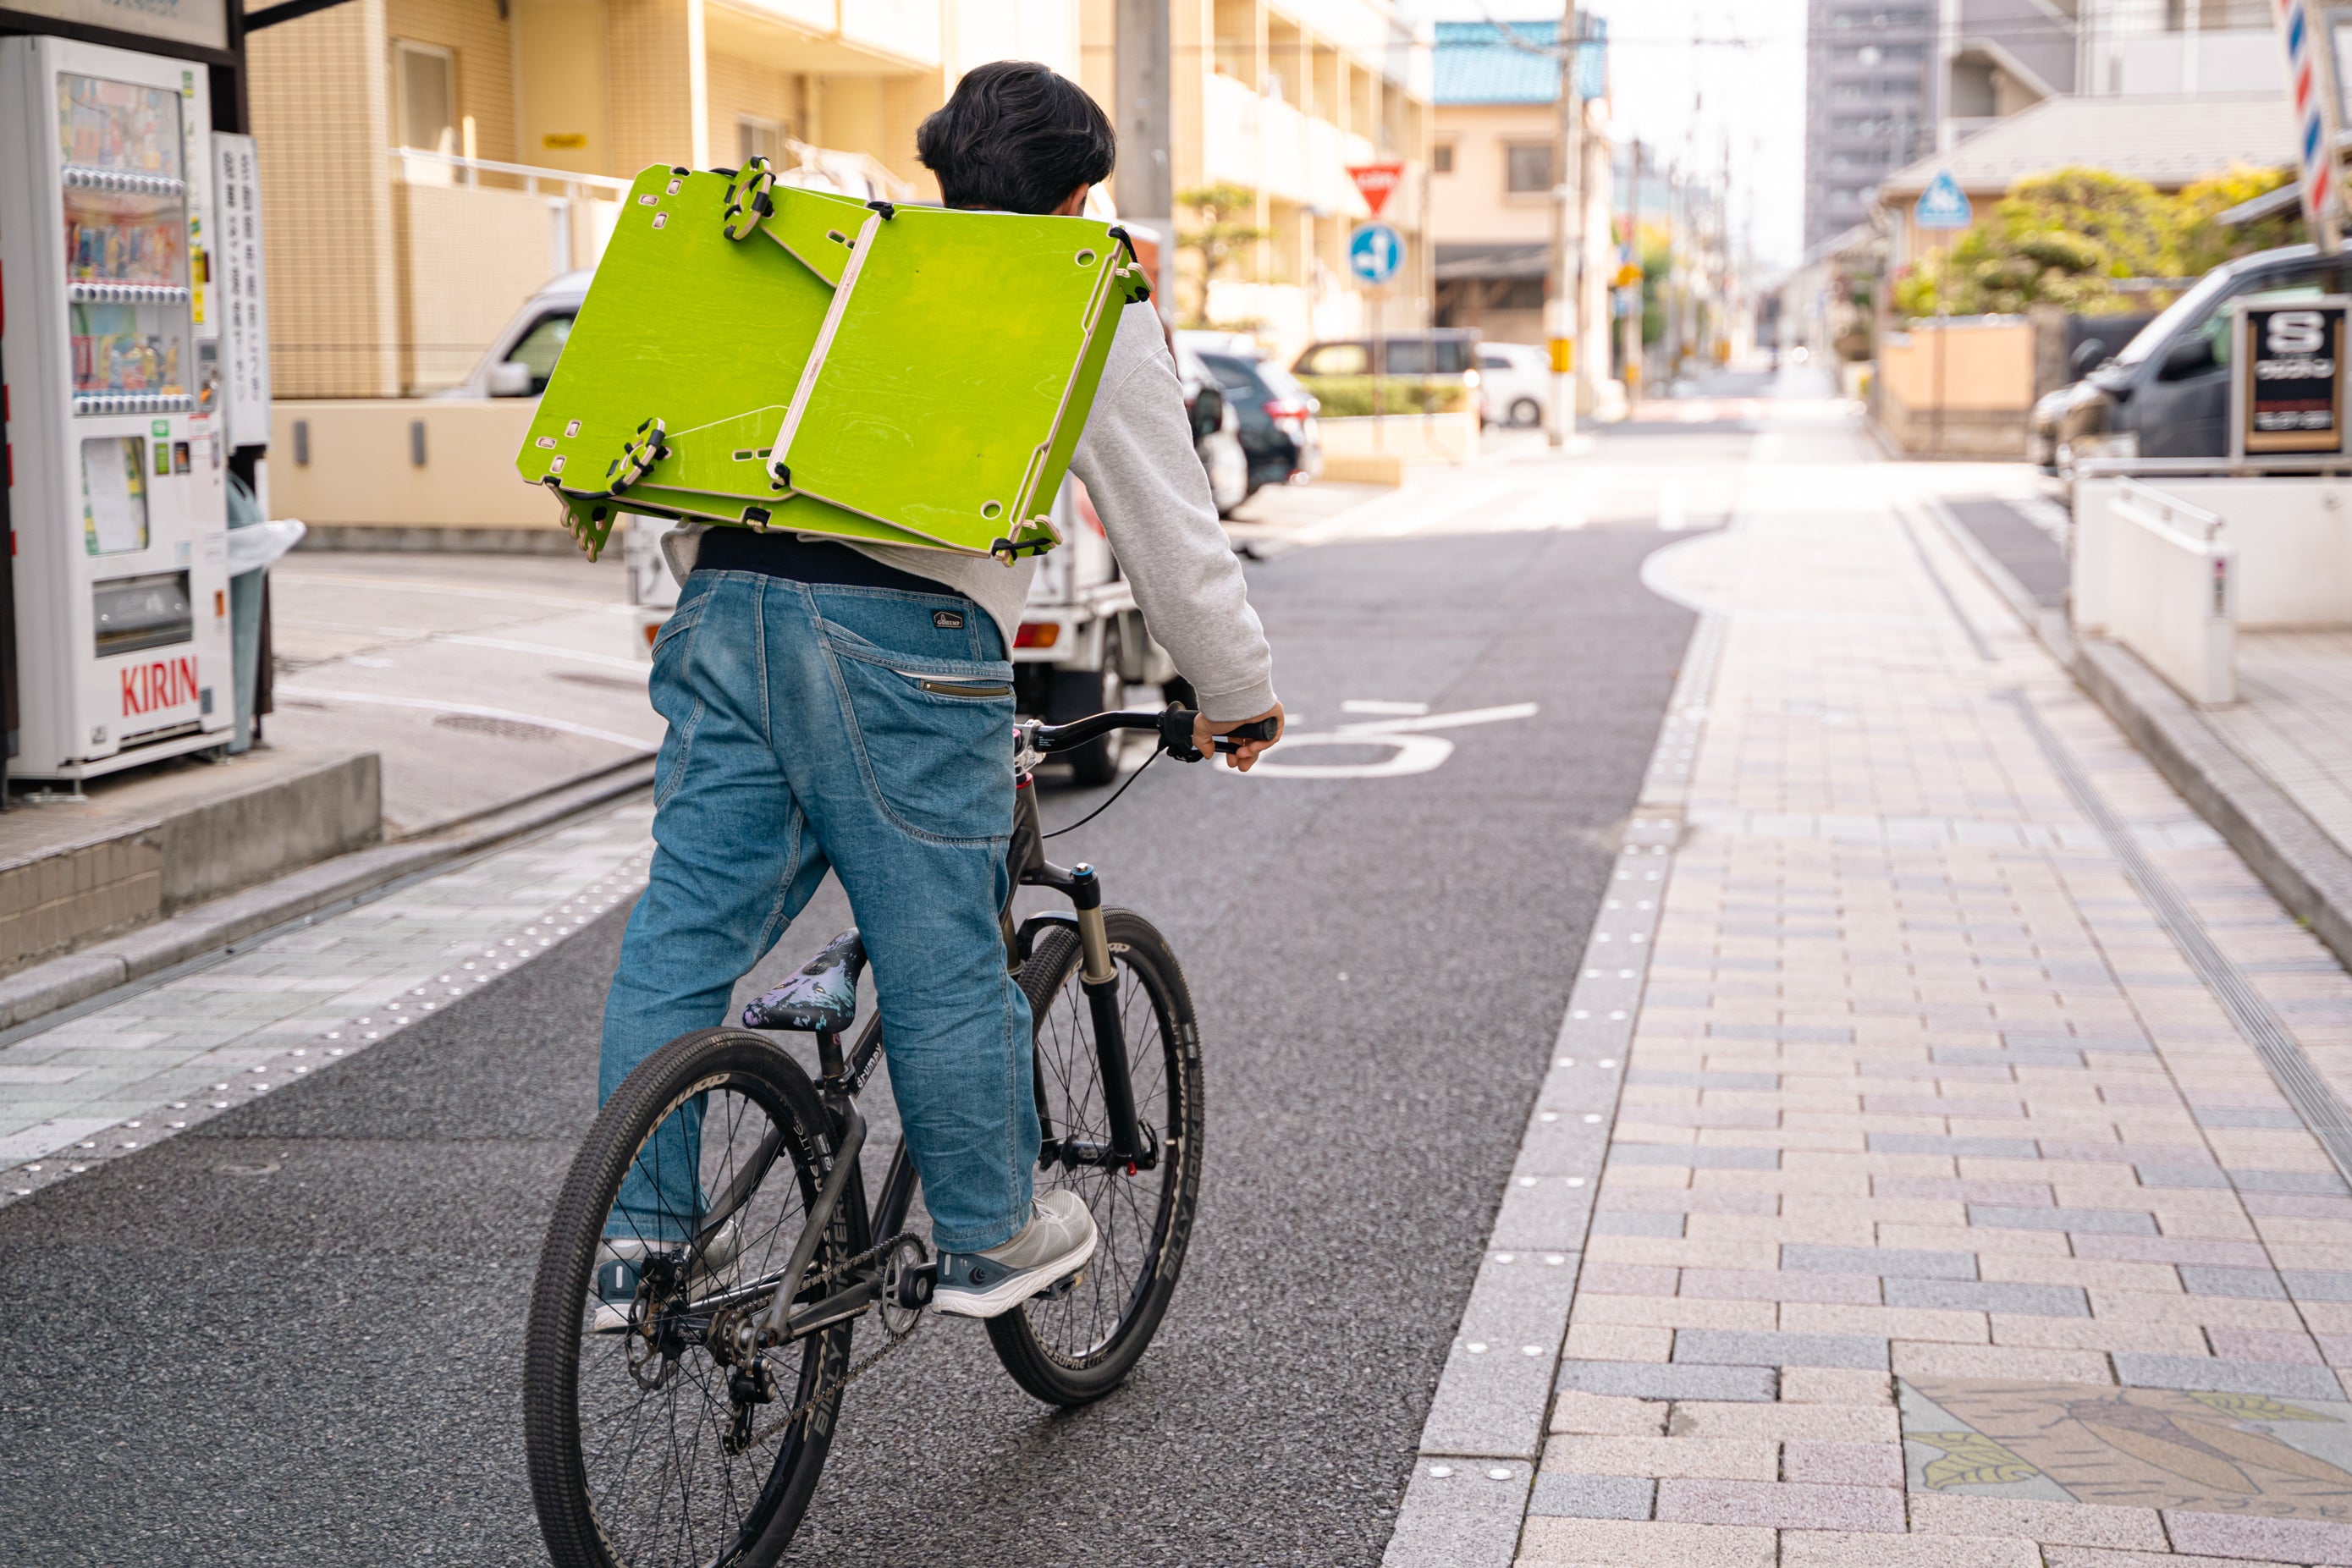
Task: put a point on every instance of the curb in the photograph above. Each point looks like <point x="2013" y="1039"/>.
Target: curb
<point x="2305" y="869"/>
<point x="89" y="979"/>
<point x="1481" y="1446"/>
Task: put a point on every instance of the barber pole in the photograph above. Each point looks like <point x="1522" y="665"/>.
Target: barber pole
<point x="2311" y="73"/>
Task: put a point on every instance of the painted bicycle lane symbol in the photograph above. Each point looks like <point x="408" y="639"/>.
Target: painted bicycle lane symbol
<point x="1404" y="728"/>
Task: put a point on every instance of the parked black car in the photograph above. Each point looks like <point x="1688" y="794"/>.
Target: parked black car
<point x="1277" y="417"/>
<point x="2166" y="393"/>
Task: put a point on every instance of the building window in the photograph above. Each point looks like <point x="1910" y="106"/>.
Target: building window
<point x="1440" y="158"/>
<point x="424" y="80"/>
<point x="1527" y="167"/>
<point x="757" y="138"/>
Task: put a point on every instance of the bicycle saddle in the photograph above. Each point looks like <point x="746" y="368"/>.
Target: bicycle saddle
<point x="823" y="998"/>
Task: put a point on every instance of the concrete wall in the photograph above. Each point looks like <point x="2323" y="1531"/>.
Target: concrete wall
<point x="58" y="896"/>
<point x="2291" y="539"/>
<point x="362" y="471"/>
<point x="1962" y="387"/>
<point x="2170" y="595"/>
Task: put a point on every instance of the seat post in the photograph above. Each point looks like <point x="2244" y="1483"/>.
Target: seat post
<point x="828" y="1057"/>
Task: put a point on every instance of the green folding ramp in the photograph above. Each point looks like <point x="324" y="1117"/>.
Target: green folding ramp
<point x="671" y="394"/>
<point x="952" y="377"/>
<point x="680" y="363"/>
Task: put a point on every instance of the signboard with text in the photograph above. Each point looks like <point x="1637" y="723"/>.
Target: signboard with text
<point x="204" y="21"/>
<point x="2286" y="381"/>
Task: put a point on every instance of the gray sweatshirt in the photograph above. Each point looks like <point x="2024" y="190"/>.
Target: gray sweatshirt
<point x="1147" y="484"/>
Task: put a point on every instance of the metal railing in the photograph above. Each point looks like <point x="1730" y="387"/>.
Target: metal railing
<point x="463" y="170"/>
<point x="2154" y="508"/>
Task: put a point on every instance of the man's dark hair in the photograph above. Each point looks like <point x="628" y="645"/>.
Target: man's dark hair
<point x="1016" y="138"/>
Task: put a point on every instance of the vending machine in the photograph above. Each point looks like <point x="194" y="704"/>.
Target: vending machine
<point x="119" y="499"/>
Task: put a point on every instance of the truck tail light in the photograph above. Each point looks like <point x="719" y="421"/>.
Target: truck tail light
<point x="1037" y="635"/>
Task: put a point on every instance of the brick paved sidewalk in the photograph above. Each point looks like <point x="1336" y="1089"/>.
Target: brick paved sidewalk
<point x="96" y="1085"/>
<point x="1954" y="1212"/>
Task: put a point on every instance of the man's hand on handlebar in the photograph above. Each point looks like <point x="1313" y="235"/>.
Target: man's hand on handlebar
<point x="1242" y="753"/>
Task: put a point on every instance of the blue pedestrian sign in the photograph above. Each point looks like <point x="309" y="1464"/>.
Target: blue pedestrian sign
<point x="1375" y="251"/>
<point x="1943" y="205"/>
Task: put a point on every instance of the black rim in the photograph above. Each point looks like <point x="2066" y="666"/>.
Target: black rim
<point x="1132" y="1213"/>
<point x="655" y="1471"/>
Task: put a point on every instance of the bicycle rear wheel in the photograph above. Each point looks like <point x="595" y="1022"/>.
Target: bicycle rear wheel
<point x="634" y="1439"/>
<point x="1076" y="1347"/>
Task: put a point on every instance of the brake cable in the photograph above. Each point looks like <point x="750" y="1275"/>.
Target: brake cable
<point x="1157" y="752"/>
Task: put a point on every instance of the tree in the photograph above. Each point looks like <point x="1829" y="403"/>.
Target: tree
<point x="2201" y="243"/>
<point x="2129" y="223"/>
<point x="1223" y="231"/>
<point x="2064" y="237"/>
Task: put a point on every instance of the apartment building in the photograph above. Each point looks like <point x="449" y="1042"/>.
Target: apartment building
<point x="426" y="164"/>
<point x="1866" y="103"/>
<point x="2132" y="47"/>
<point x="1281" y="100"/>
<point x="1494" y="164"/>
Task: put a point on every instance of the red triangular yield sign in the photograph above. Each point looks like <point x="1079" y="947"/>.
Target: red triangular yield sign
<point x="1374" y="182"/>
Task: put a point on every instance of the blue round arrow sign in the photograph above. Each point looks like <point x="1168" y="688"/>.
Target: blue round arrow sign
<point x="1375" y="251"/>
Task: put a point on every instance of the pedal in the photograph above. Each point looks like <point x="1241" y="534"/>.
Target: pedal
<point x="1060" y="1287"/>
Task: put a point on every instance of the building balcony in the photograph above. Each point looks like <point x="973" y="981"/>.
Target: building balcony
<point x="472" y="239"/>
<point x="1264" y="144"/>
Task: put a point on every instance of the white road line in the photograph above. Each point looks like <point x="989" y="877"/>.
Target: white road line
<point x="1673" y="517"/>
<point x="430" y="704"/>
<point x="611" y="661"/>
<point x="445" y="590"/>
<point x="1441" y="721"/>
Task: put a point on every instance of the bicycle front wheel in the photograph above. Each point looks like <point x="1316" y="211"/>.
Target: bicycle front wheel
<point x="1076" y="1346"/>
<point x="651" y="1443"/>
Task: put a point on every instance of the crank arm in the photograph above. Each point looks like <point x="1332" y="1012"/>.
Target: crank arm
<point x="1071" y="1154"/>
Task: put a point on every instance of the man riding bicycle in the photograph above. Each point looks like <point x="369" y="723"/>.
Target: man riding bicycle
<point x="848" y="706"/>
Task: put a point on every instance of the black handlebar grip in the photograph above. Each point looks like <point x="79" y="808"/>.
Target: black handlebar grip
<point x="1264" y="729"/>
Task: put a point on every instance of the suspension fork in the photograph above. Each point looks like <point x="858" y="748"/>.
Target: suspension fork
<point x="1099" y="977"/>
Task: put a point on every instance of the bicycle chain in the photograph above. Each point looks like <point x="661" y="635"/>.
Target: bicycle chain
<point x="799" y="1412"/>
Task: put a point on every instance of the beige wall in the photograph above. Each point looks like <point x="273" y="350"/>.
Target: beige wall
<point x="321" y="107"/>
<point x="481" y="44"/>
<point x="561" y="81"/>
<point x="1978" y="365"/>
<point x="1471" y="204"/>
<point x="361" y="471"/>
<point x="470" y="258"/>
<point x="649" y="111"/>
<point x="740" y="86"/>
<point x="383" y="287"/>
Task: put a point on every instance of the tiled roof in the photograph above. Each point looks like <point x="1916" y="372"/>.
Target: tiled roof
<point x="2167" y="139"/>
<point x="1475" y="64"/>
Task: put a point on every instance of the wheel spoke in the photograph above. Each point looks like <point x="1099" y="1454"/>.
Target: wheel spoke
<point x="656" y="1475"/>
<point x="1131" y="1211"/>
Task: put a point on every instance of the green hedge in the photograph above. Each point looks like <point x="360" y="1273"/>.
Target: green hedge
<point x="1344" y="397"/>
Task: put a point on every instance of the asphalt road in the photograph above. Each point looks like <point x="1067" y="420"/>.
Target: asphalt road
<point x="293" y="1337"/>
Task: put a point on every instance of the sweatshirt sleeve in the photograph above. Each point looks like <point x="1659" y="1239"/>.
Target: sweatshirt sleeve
<point x="1147" y="487"/>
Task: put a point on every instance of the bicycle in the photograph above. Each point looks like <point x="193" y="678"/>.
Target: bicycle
<point x="737" y="1336"/>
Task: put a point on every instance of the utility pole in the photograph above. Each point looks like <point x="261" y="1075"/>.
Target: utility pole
<point x="1566" y="193"/>
<point x="1144" y="184"/>
<point x="1633" y="327"/>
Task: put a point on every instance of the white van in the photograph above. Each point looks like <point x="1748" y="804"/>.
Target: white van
<point x="1513" y="384"/>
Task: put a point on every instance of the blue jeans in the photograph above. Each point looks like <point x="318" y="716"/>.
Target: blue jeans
<point x="803" y="735"/>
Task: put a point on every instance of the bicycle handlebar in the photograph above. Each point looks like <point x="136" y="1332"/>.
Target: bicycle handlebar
<point x="1173" y="724"/>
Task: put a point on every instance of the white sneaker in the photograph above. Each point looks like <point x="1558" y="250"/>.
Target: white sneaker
<point x="1056" y="1243"/>
<point x="619" y="1261"/>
